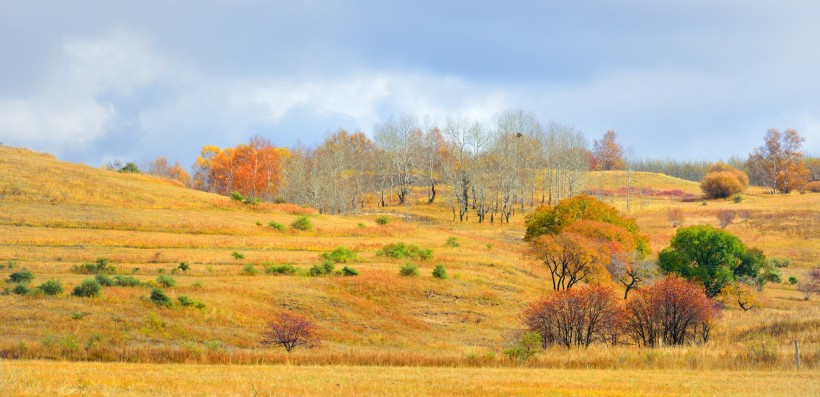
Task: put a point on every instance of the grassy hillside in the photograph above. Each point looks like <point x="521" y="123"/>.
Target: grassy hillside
<point x="55" y="215"/>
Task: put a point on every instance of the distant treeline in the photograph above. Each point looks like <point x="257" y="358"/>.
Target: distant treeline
<point x="689" y="170"/>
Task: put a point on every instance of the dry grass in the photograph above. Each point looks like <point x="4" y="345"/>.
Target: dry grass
<point x="146" y="226"/>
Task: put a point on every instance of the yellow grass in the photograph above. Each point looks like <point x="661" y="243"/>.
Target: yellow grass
<point x="36" y="378"/>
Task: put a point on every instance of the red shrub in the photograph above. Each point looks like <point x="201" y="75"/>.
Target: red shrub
<point x="290" y="330"/>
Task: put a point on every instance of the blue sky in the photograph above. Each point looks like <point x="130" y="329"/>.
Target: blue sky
<point x="92" y="81"/>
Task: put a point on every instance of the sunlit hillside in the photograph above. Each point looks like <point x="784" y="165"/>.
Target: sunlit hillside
<point x="55" y="216"/>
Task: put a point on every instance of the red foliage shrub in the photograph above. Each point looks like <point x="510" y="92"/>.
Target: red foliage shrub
<point x="578" y="316"/>
<point x="290" y="330"/>
<point x="672" y="311"/>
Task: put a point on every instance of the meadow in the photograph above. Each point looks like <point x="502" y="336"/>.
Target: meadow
<point x="381" y="333"/>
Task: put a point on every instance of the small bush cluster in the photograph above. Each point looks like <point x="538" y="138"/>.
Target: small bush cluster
<point x="249" y="270"/>
<point x="405" y="251"/>
<point x="452" y="242"/>
<point x="51" y="287"/>
<point x="440" y="272"/>
<point x="88" y="288"/>
<point x="280" y="270"/>
<point x="126" y="281"/>
<point x="382" y="220"/>
<point x="302" y="223"/>
<point x="236" y="196"/>
<point x="276" y="226"/>
<point x="340" y="255"/>
<point x="21" y="277"/>
<point x="100" y="266"/>
<point x="349" y="272"/>
<point x="409" y="270"/>
<point x="159" y="298"/>
<point x="813" y="186"/>
<point x="325" y="269"/>
<point x="166" y="281"/>
<point x="188" y="302"/>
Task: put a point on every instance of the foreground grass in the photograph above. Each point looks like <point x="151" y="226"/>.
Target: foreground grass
<point x="29" y="378"/>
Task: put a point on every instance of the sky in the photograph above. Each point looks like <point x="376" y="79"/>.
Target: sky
<point x="96" y="81"/>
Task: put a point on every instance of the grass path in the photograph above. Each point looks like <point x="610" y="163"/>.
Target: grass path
<point x="35" y="378"/>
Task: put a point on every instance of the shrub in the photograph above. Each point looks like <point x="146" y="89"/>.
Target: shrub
<point x="20" y="289"/>
<point x="672" y="311"/>
<point x="290" y="330"/>
<point x="129" y="167"/>
<point x="100" y="266"/>
<point x="186" y="301"/>
<point x="737" y="198"/>
<point x="576" y="317"/>
<point x="276" y="225"/>
<point x="236" y="196"/>
<point x="324" y="269"/>
<point x="675" y="216"/>
<point x="302" y="223"/>
<point x="524" y="347"/>
<point x="780" y="262"/>
<point x="284" y="270"/>
<point x="772" y="274"/>
<point x="184" y="266"/>
<point x="382" y="220"/>
<point x="722" y="180"/>
<point x="51" y="287"/>
<point x="89" y="288"/>
<point x="402" y="251"/>
<point x="160" y="299"/>
<point x="249" y="270"/>
<point x="439" y="272"/>
<point x="725" y="217"/>
<point x="813" y="186"/>
<point x="166" y="281"/>
<point x="349" y="272"/>
<point x="452" y="242"/>
<point x="792" y="280"/>
<point x="238" y="255"/>
<point x="104" y="280"/>
<point x="23" y="276"/>
<point x="409" y="270"/>
<point x="127" y="281"/>
<point x="340" y="255"/>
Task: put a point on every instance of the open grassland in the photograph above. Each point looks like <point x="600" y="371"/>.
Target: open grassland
<point x="36" y="378"/>
<point x="54" y="216"/>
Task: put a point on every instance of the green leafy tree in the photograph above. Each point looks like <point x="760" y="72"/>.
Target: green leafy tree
<point x="710" y="256"/>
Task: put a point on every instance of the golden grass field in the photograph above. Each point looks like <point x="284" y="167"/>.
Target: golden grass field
<point x="382" y="334"/>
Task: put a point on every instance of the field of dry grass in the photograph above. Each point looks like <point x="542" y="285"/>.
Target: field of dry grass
<point x="55" y="215"/>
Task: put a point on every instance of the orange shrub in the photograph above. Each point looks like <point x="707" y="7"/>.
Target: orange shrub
<point x="813" y="186"/>
<point x="722" y="180"/>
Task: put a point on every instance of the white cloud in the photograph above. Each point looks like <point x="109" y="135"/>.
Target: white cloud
<point x="66" y="109"/>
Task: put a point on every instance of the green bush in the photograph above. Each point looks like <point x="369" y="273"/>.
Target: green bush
<point x="737" y="198"/>
<point x="349" y="272"/>
<point x="524" y="346"/>
<point x="452" y="242"/>
<point x="281" y="270"/>
<point x="23" y="276"/>
<point x="100" y="266"/>
<point x="409" y="270"/>
<point x="160" y="299"/>
<point x="186" y="301"/>
<point x="104" y="280"/>
<point x="324" y="269"/>
<point x="184" y="266"/>
<point x="792" y="280"/>
<point x="276" y="225"/>
<point x="340" y="255"/>
<point x="127" y="281"/>
<point x="166" y="281"/>
<point x="238" y="255"/>
<point x="20" y="289"/>
<point x="51" y="287"/>
<point x="302" y="223"/>
<point x="249" y="270"/>
<point x="402" y="251"/>
<point x="772" y="274"/>
<point x="382" y="220"/>
<point x="440" y="272"/>
<point x="236" y="196"/>
<point x="780" y="262"/>
<point x="89" y="288"/>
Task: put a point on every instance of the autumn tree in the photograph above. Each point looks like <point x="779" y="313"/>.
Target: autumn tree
<point x="399" y="140"/>
<point x="608" y="152"/>
<point x="290" y="330"/>
<point x="631" y="271"/>
<point x="672" y="311"/>
<point x="252" y="169"/>
<point x="722" y="180"/>
<point x="778" y="162"/>
<point x="161" y="168"/>
<point x="576" y="317"/>
<point x="569" y="257"/>
<point x="710" y="256"/>
<point x="553" y="220"/>
<point x="742" y="292"/>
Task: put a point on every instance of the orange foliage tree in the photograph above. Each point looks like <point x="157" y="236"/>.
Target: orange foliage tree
<point x="722" y="180"/>
<point x="778" y="163"/>
<point x="160" y="167"/>
<point x="578" y="317"/>
<point x="608" y="153"/>
<point x="253" y="169"/>
<point x="569" y="257"/>
<point x="672" y="311"/>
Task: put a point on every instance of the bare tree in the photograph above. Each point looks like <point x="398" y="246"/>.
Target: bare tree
<point x="631" y="271"/>
<point x="290" y="330"/>
<point x="398" y="139"/>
